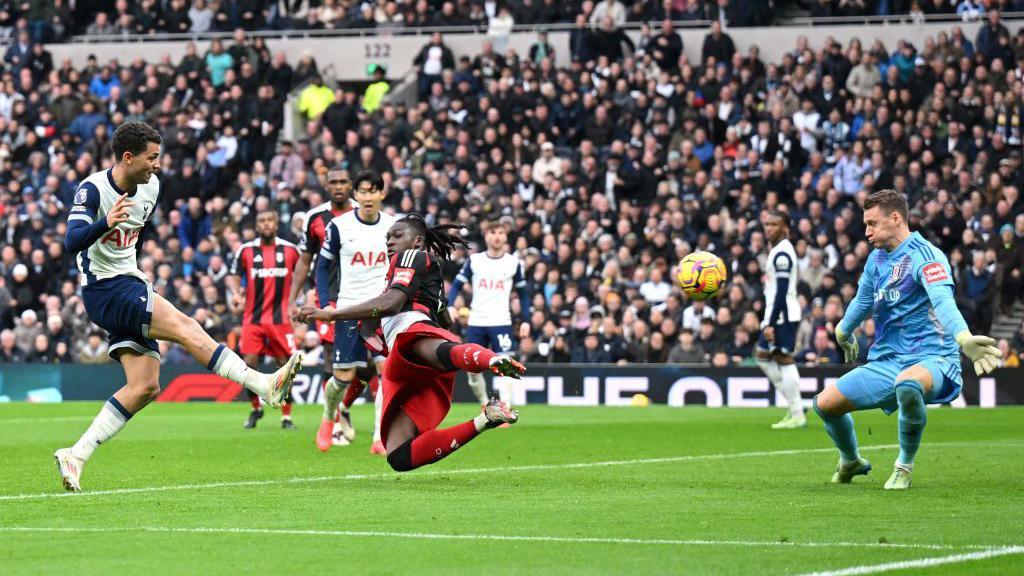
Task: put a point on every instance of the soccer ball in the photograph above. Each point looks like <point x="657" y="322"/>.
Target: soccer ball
<point x="701" y="275"/>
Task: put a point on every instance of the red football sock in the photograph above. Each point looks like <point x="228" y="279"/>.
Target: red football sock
<point x="286" y="409"/>
<point x="255" y="401"/>
<point x="434" y="445"/>
<point x="374" y="386"/>
<point x="471" y="357"/>
<point x="355" y="388"/>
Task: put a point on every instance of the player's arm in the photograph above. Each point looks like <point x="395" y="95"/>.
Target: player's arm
<point x="937" y="281"/>
<point x="519" y="282"/>
<point x="783" y="268"/>
<point x="84" y="227"/>
<point x="300" y="273"/>
<point x="405" y="281"/>
<point x="329" y="253"/>
<point x="464" y="276"/>
<point x="859" y="308"/>
<point x="233" y="281"/>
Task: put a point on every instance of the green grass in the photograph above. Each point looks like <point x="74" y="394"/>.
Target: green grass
<point x="966" y="495"/>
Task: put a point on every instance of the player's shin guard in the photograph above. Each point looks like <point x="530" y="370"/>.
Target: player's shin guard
<point x="378" y="409"/>
<point x="840" y="429"/>
<point x="479" y="387"/>
<point x="912" y="419"/>
<point x="431" y="446"/>
<point x="112" y="417"/>
<point x="468" y="357"/>
<point x="226" y="364"/>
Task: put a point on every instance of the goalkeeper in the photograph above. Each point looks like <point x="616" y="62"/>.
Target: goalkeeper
<point x="915" y="359"/>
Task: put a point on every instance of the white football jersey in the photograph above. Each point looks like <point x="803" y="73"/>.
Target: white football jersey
<point x="362" y="254"/>
<point x="113" y="254"/>
<point x="492" y="280"/>
<point x="781" y="266"/>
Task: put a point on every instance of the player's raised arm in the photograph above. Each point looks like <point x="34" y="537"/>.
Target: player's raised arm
<point x="856" y="312"/>
<point x="84" y="227"/>
<point x="464" y="276"/>
<point x="937" y="280"/>
<point x="328" y="253"/>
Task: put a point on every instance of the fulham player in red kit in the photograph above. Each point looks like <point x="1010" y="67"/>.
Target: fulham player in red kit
<point x="422" y="356"/>
<point x="266" y="265"/>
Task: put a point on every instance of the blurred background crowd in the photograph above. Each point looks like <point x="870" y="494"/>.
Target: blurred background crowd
<point x="607" y="171"/>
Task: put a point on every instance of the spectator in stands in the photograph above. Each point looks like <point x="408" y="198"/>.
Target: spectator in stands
<point x="987" y="40"/>
<point x="93" y="350"/>
<point x="717" y="44"/>
<point x="25" y="333"/>
<point x="608" y="9"/>
<point x="822" y="350"/>
<point x="101" y="26"/>
<point x="686" y="351"/>
<point x="201" y="16"/>
<point x="609" y="41"/>
<point x="315" y="98"/>
<point x="976" y="293"/>
<point x="431" y="61"/>
<point x="1010" y="257"/>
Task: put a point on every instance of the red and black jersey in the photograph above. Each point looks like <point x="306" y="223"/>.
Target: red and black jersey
<point x="313" y="237"/>
<point x="267" y="272"/>
<point x="418" y="275"/>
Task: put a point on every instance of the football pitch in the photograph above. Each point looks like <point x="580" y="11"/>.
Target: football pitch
<point x="657" y="490"/>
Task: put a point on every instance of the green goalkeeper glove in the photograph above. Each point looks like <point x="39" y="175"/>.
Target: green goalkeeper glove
<point x="981" y="350"/>
<point x="848" y="342"/>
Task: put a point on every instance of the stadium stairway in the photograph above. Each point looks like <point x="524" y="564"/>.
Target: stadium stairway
<point x="1005" y="326"/>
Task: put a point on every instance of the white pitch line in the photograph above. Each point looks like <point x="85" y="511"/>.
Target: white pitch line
<point x="497" y="537"/>
<point x="454" y="472"/>
<point x="922" y="562"/>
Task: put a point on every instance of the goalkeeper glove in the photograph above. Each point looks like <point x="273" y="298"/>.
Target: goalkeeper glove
<point x="848" y="342"/>
<point x="981" y="350"/>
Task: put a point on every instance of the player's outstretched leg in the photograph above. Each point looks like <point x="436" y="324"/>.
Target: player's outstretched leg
<point x="433" y="445"/>
<point x="170" y="324"/>
<point x="142" y="373"/>
<point x="834" y="410"/>
<point x="913" y="416"/>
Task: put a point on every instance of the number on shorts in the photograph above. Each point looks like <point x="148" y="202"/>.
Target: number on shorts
<point x="505" y="342"/>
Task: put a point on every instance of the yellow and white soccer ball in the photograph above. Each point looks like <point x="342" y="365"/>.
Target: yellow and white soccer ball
<point x="701" y="275"/>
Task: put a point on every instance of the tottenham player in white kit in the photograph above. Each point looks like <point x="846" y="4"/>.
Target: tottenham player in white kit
<point x="357" y="241"/>
<point x="110" y="209"/>
<point x="781" y="319"/>
<point x="492" y="275"/>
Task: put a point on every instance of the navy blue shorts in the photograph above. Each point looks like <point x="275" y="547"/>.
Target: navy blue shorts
<point x="349" y="351"/>
<point x="497" y="338"/>
<point x="784" y="341"/>
<point x="123" y="306"/>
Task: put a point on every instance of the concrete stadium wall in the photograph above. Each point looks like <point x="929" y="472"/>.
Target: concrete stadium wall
<point x="346" y="58"/>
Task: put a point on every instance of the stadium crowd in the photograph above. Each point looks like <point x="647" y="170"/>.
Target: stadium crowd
<point x="607" y="172"/>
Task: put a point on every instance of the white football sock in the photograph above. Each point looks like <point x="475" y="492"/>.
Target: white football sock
<point x="480" y="422"/>
<point x="790" y="388"/>
<point x="333" y="394"/>
<point x="504" y="392"/>
<point x="771" y="370"/>
<point x="479" y="386"/>
<point x="105" y="426"/>
<point x="226" y="364"/>
<point x="378" y="409"/>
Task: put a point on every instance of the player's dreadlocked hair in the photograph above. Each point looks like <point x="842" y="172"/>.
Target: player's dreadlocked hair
<point x="438" y="239"/>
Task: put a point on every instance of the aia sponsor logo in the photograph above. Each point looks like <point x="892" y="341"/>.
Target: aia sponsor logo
<point x="934" y="272"/>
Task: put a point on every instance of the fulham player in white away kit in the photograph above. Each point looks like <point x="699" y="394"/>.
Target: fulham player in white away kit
<point x="357" y="241"/>
<point x="492" y="275"/>
<point x="110" y="209"/>
<point x="781" y="319"/>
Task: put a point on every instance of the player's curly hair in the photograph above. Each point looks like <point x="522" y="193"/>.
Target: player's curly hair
<point x="439" y="239"/>
<point x="133" y="137"/>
